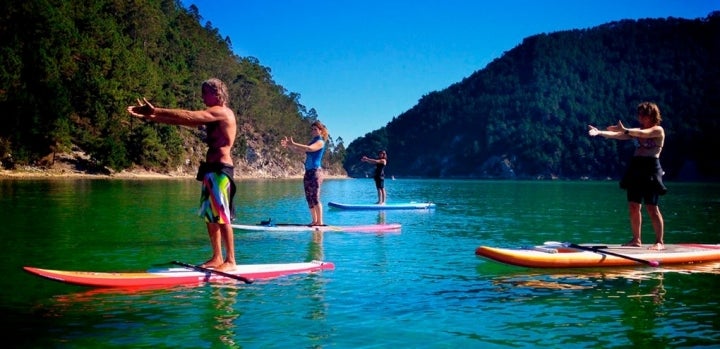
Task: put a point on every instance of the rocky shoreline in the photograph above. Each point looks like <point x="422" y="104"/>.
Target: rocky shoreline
<point x="77" y="165"/>
<point x="65" y="172"/>
<point x="35" y="173"/>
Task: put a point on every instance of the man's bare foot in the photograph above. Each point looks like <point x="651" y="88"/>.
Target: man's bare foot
<point x="658" y="246"/>
<point x="211" y="263"/>
<point x="633" y="243"/>
<point x="227" y="266"/>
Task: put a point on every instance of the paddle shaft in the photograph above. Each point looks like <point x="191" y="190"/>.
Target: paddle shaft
<point x="317" y="227"/>
<point x="596" y="250"/>
<point x="208" y="270"/>
<point x="292" y="225"/>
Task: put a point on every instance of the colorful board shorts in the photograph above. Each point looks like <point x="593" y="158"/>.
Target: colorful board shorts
<point x="216" y="198"/>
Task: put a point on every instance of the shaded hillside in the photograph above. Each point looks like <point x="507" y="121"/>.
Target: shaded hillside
<point x="525" y="115"/>
<point x="70" y="68"/>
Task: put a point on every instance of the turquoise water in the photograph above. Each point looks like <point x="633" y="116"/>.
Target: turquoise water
<point x="422" y="287"/>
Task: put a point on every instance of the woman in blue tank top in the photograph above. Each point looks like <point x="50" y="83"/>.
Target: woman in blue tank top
<point x="313" y="177"/>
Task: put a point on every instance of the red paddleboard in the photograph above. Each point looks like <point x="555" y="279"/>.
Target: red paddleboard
<point x="178" y="276"/>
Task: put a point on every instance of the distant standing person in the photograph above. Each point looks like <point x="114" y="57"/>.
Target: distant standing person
<point x="379" y="175"/>
<point x="216" y="173"/>
<point x="643" y="178"/>
<point x="313" y="177"/>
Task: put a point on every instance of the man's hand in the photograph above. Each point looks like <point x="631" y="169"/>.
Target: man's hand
<point x="593" y="131"/>
<point x="143" y="109"/>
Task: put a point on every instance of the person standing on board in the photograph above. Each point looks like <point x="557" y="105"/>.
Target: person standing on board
<point x="643" y="178"/>
<point x="216" y="173"/>
<point x="379" y="175"/>
<point x="313" y="177"/>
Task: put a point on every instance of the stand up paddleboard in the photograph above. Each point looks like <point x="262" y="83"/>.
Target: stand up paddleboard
<point x="293" y="227"/>
<point x="179" y="276"/>
<point x="569" y="255"/>
<point x="385" y="206"/>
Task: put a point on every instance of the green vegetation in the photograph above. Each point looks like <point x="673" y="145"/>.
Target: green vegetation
<point x="526" y="114"/>
<point x="70" y="68"/>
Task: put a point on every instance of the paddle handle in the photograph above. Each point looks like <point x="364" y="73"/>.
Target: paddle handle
<point x="213" y="271"/>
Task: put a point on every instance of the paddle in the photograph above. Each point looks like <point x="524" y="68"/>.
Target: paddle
<point x="601" y="251"/>
<point x="208" y="270"/>
<point x="270" y="223"/>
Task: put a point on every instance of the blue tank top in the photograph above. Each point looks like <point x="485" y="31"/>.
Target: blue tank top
<point x="313" y="159"/>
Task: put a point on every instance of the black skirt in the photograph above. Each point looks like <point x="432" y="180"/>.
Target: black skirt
<point x="644" y="173"/>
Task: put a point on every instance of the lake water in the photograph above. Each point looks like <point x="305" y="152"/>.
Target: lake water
<point x="420" y="288"/>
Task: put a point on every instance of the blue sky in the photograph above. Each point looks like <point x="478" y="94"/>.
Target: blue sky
<point x="362" y="63"/>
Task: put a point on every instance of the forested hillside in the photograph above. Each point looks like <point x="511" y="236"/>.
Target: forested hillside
<point x="525" y="115"/>
<point x="69" y="69"/>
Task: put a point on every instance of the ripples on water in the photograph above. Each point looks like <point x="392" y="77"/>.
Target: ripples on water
<point x="421" y="287"/>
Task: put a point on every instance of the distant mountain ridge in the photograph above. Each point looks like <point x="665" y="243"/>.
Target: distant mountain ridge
<point x="525" y="115"/>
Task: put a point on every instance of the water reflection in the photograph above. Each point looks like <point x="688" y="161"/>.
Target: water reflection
<point x="225" y="314"/>
<point x="593" y="278"/>
<point x="656" y="291"/>
<point x="317" y="312"/>
<point x="93" y="294"/>
<point x="315" y="248"/>
<point x="421" y="288"/>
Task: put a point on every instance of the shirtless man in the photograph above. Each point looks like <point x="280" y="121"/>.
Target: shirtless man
<point x="643" y="179"/>
<point x="216" y="174"/>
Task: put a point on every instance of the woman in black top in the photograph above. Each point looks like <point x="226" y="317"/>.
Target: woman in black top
<point x="643" y="179"/>
<point x="379" y="175"/>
